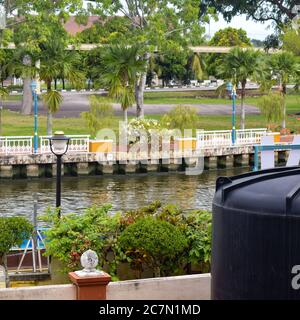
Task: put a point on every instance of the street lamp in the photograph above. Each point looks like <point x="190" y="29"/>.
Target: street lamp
<point x="232" y="90"/>
<point x="59" y="144"/>
<point x="35" y="108"/>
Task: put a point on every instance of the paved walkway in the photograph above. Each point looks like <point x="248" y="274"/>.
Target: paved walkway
<point x="74" y="104"/>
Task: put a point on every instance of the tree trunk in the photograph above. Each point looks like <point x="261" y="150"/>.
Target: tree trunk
<point x="139" y="90"/>
<point x="27" y="97"/>
<point x="63" y="84"/>
<point x="125" y="116"/>
<point x="243" y="106"/>
<point x="139" y="97"/>
<point x="55" y="84"/>
<point x="3" y="262"/>
<point x="49" y="123"/>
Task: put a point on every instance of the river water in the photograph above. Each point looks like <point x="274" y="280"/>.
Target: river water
<point x="122" y="192"/>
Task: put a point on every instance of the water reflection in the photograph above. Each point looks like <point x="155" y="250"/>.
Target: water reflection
<point x="123" y="192"/>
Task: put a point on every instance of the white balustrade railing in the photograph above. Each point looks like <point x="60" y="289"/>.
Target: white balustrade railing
<point x="249" y="136"/>
<point x="15" y="145"/>
<point x="213" y="138"/>
<point x="78" y="144"/>
<point x="209" y="139"/>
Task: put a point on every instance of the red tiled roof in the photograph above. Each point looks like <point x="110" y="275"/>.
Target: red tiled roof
<point x="72" y="27"/>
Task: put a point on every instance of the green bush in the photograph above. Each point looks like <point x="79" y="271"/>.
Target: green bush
<point x="272" y="107"/>
<point x="13" y="231"/>
<point x="73" y="234"/>
<point x="153" y="242"/>
<point x="196" y="226"/>
<point x="97" y="229"/>
<point x="181" y="117"/>
<point x="100" y="114"/>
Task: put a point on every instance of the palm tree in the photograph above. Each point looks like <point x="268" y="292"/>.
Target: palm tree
<point x="120" y="68"/>
<point x="52" y="67"/>
<point x="238" y="66"/>
<point x="284" y="67"/>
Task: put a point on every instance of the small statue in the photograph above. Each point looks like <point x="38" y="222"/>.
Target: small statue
<point x="89" y="261"/>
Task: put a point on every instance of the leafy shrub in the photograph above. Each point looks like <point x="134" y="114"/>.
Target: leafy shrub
<point x="272" y="107"/>
<point x="153" y="242"/>
<point x="181" y="117"/>
<point x="196" y="226"/>
<point x="73" y="234"/>
<point x="100" y="114"/>
<point x="13" y="231"/>
<point x="100" y="231"/>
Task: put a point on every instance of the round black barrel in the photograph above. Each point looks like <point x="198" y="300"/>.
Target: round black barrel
<point x="256" y="236"/>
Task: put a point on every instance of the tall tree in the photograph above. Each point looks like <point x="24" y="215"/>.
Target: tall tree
<point x="153" y="24"/>
<point x="228" y="37"/>
<point x="120" y="69"/>
<point x="56" y="63"/>
<point x="291" y="41"/>
<point x="32" y="22"/>
<point x="239" y="66"/>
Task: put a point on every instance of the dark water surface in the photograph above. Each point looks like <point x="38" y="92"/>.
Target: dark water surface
<point x="123" y="192"/>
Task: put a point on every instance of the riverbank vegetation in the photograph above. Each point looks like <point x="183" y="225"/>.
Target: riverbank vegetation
<point x="155" y="240"/>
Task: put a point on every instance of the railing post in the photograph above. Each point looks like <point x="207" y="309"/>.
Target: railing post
<point x="91" y="284"/>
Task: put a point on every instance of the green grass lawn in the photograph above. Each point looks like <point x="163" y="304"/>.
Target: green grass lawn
<point x="15" y="124"/>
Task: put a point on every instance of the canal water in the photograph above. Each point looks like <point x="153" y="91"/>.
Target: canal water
<point x="122" y="192"/>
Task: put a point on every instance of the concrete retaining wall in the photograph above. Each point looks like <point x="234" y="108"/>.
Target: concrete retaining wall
<point x="56" y="292"/>
<point x="193" y="287"/>
<point x="44" y="165"/>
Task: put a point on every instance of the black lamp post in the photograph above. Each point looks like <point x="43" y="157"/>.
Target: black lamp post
<point x="59" y="144"/>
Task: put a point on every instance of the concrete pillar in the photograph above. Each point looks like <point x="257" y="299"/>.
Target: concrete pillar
<point x="229" y="161"/>
<point x="54" y="167"/>
<point x="245" y="159"/>
<point x="83" y="169"/>
<point x="91" y="287"/>
<point x="130" y="167"/>
<point x="32" y="171"/>
<point x="210" y="163"/>
<point x="175" y="164"/>
<point x="153" y="166"/>
<point x="6" y="171"/>
<point x="107" y="168"/>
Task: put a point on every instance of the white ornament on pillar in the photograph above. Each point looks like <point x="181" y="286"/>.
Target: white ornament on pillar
<point x="89" y="261"/>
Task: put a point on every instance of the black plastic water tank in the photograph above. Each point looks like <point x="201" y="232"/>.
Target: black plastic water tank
<point x="256" y="235"/>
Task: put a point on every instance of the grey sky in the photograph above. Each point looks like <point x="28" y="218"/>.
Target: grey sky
<point x="255" y="30"/>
